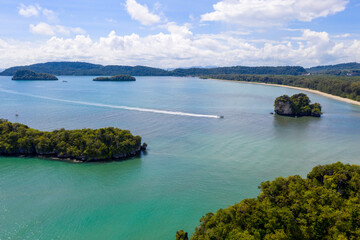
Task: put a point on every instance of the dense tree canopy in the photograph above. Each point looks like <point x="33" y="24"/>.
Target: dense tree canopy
<point x="347" y="87"/>
<point x="117" y="78"/>
<point x="325" y="205"/>
<point x="84" y="145"/>
<point x="31" y="75"/>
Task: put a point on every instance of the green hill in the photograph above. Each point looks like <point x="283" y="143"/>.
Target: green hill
<point x="85" y="69"/>
<point x="344" y="69"/>
<point x="88" y="69"/>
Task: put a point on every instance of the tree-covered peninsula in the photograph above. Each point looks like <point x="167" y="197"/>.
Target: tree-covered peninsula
<point x="346" y="87"/>
<point x="325" y="205"/>
<point x="298" y="105"/>
<point x="116" y="78"/>
<point x="85" y="145"/>
<point x="31" y="75"/>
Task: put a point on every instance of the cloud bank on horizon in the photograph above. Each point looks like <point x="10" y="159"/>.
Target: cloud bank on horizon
<point x="163" y="34"/>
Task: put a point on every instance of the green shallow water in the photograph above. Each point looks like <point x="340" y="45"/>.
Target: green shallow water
<point x="193" y="166"/>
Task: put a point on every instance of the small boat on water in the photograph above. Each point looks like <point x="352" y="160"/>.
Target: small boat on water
<point x="220" y="116"/>
<point x="65" y="81"/>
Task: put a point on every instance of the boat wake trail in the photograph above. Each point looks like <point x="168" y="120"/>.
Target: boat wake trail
<point x="114" y="106"/>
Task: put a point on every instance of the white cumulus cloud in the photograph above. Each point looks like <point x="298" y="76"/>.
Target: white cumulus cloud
<point x="29" y="11"/>
<point x="50" y="14"/>
<point x="141" y="13"/>
<point x="37" y="10"/>
<point x="264" y="13"/>
<point x="51" y="30"/>
<point x="179" y="47"/>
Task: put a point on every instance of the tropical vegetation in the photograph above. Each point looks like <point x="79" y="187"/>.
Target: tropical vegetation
<point x="298" y="104"/>
<point x="116" y="78"/>
<point x="347" y="87"/>
<point x="83" y="145"/>
<point x="31" y="75"/>
<point x="325" y="205"/>
<point x="343" y="69"/>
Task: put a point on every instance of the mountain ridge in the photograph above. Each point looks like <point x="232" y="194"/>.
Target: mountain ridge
<point x="89" y="69"/>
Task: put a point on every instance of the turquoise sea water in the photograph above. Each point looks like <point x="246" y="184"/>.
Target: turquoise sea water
<point x="194" y="165"/>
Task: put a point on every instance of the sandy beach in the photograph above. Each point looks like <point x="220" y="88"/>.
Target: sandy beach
<point x="302" y="89"/>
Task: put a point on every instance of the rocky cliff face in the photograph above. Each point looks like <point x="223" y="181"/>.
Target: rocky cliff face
<point x="284" y="108"/>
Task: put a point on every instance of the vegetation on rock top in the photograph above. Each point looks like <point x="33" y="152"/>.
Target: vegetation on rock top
<point x="298" y="105"/>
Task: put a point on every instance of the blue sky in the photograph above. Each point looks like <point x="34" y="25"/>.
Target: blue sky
<point x="169" y="33"/>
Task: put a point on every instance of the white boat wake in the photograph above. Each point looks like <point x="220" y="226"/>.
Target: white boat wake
<point x="114" y="106"/>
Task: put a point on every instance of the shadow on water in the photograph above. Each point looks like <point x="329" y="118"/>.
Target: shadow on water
<point x="94" y="168"/>
<point x="284" y="125"/>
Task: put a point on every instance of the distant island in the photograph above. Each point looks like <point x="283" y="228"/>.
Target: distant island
<point x="298" y="105"/>
<point x="325" y="205"/>
<point x="116" y="78"/>
<point x="85" y="145"/>
<point x="89" y="69"/>
<point x="31" y="75"/>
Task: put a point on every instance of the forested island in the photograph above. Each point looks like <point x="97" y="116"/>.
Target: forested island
<point x="325" y="205"/>
<point x="346" y="87"/>
<point x="116" y="78"/>
<point x="31" y="75"/>
<point x="298" y="105"/>
<point x="85" y="145"/>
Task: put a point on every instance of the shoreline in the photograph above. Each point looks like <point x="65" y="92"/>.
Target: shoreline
<point x="70" y="159"/>
<point x="74" y="159"/>
<point x="341" y="99"/>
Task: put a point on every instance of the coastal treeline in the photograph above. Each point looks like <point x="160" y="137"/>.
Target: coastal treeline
<point x="347" y="87"/>
<point x="325" y="205"/>
<point x="298" y="105"/>
<point x="31" y="75"/>
<point x="116" y="78"/>
<point x="83" y="145"/>
<point x="88" y="69"/>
